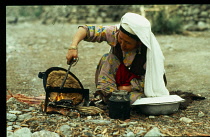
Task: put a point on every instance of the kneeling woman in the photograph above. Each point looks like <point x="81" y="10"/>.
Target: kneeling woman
<point x="135" y="62"/>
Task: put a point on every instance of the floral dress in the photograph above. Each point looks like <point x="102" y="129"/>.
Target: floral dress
<point x="109" y="63"/>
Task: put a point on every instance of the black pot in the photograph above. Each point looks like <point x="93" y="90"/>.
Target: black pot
<point x="119" y="105"/>
<point x="119" y="110"/>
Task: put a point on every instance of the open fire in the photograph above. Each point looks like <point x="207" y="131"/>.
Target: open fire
<point x="72" y="97"/>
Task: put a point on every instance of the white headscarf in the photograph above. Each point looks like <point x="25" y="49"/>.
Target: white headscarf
<point x="154" y="83"/>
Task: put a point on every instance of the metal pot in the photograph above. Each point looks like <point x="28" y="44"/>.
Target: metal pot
<point x="158" y="105"/>
<point x="83" y="92"/>
<point x="158" y="109"/>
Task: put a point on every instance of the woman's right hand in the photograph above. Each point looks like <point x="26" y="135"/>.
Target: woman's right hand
<point x="72" y="53"/>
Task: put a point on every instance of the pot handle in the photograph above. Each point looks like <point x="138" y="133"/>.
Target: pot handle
<point x="41" y="75"/>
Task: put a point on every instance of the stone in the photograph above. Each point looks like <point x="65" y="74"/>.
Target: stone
<point x="130" y="134"/>
<point x="196" y="11"/>
<point x="90" y="19"/>
<point x="133" y="123"/>
<point x="88" y="134"/>
<point x="153" y="132"/>
<point x="44" y="133"/>
<point x="191" y="27"/>
<point x="24" y="125"/>
<point x="16" y="126"/>
<point x="9" y="128"/>
<point x="9" y="123"/>
<point x="99" y="121"/>
<point x="11" y="117"/>
<point x="203" y="7"/>
<point x="73" y="21"/>
<point x="204" y="14"/>
<point x="140" y="132"/>
<point x="10" y="134"/>
<point x="15" y="112"/>
<point x="26" y="110"/>
<point x="116" y="133"/>
<point x="123" y="125"/>
<point x="73" y="124"/>
<point x="89" y="117"/>
<point x="81" y="21"/>
<point x="65" y="130"/>
<point x="201" y="114"/>
<point x="61" y="20"/>
<point x="17" y="123"/>
<point x="24" y="117"/>
<point x="103" y="14"/>
<point x="13" y="104"/>
<point x="151" y="116"/>
<point x="202" y="26"/>
<point x="99" y="20"/>
<point x="169" y="47"/>
<point x="12" y="99"/>
<point x="23" y="132"/>
<point x="186" y="120"/>
<point x="108" y="20"/>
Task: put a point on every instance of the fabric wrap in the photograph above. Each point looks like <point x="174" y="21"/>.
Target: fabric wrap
<point x="154" y="83"/>
<point x="124" y="76"/>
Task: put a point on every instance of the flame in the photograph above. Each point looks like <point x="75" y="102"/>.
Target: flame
<point x="59" y="97"/>
<point x="56" y="96"/>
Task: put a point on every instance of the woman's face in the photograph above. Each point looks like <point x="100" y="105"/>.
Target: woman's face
<point x="127" y="43"/>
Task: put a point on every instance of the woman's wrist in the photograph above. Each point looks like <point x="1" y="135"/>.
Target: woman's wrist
<point x="72" y="48"/>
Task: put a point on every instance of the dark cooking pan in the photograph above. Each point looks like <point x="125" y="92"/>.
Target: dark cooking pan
<point x="49" y="88"/>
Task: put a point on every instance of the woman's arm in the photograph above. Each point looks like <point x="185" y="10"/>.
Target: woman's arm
<point x="72" y="51"/>
<point x="91" y="33"/>
<point x="80" y="35"/>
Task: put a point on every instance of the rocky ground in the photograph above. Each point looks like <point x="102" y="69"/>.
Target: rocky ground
<point x="32" y="48"/>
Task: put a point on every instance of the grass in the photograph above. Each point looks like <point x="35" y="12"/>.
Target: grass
<point x="162" y="23"/>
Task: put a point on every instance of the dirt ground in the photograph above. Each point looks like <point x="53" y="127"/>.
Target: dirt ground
<point x="32" y="48"/>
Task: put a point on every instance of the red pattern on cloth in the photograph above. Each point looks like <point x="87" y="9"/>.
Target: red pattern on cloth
<point x="124" y="76"/>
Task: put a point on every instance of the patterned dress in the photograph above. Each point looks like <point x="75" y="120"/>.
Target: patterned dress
<point x="109" y="63"/>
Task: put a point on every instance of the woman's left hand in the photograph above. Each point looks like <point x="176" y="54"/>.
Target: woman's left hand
<point x="128" y="88"/>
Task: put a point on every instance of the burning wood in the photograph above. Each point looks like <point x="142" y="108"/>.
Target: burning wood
<point x="75" y="97"/>
<point x="74" y="111"/>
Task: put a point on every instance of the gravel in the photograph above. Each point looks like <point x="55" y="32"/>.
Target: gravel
<point x="32" y="48"/>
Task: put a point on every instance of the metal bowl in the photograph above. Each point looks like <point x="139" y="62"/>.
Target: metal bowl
<point x="158" y="105"/>
<point x="158" y="109"/>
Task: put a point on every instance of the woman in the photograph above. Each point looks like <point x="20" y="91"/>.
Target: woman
<point x="134" y="63"/>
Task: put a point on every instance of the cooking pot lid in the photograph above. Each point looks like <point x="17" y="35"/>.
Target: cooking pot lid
<point x="159" y="100"/>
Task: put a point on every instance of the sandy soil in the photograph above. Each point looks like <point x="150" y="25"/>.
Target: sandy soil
<point x="33" y="48"/>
